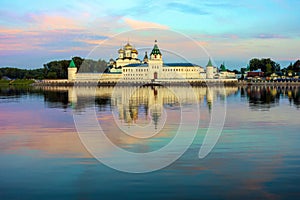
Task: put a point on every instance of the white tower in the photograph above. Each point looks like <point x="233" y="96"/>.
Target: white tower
<point x="209" y="70"/>
<point x="155" y="63"/>
<point x="72" y="70"/>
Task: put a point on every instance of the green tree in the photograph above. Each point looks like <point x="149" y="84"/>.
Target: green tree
<point x="243" y="70"/>
<point x="52" y="75"/>
<point x="236" y="71"/>
<point x="268" y="69"/>
<point x="78" y="61"/>
<point x="60" y="68"/>
<point x="296" y="66"/>
<point x="265" y="64"/>
<point x="255" y="64"/>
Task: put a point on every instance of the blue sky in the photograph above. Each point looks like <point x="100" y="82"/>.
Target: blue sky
<point x="35" y="32"/>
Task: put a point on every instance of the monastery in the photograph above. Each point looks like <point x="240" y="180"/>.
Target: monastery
<point x="129" y="68"/>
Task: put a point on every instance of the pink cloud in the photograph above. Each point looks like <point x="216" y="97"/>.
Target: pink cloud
<point x="48" y="22"/>
<point x="135" y="24"/>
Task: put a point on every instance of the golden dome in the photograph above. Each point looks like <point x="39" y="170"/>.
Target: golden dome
<point x="128" y="46"/>
<point x="121" y="51"/>
<point x="134" y="51"/>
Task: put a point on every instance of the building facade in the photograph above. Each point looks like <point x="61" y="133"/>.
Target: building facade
<point x="155" y="69"/>
<point x="129" y="68"/>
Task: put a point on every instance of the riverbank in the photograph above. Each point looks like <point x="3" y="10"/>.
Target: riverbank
<point x="193" y="82"/>
<point x="268" y="83"/>
<point x="17" y="82"/>
<point x="164" y="82"/>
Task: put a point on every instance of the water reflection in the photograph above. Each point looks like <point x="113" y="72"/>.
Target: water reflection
<point x="257" y="156"/>
<point x="141" y="99"/>
<point x="266" y="97"/>
<point x="137" y="105"/>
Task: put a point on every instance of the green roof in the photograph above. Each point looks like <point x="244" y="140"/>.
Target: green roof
<point x="72" y="64"/>
<point x="209" y="63"/>
<point x="155" y="49"/>
<point x="223" y="68"/>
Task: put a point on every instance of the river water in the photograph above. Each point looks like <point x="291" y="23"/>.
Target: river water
<point x="46" y="151"/>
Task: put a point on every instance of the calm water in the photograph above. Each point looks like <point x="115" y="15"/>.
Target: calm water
<point x="256" y="157"/>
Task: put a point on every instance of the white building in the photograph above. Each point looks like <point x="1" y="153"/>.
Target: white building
<point x="128" y="67"/>
<point x="155" y="69"/>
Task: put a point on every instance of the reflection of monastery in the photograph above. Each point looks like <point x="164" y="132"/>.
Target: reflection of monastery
<point x="129" y="100"/>
<point x="129" y="69"/>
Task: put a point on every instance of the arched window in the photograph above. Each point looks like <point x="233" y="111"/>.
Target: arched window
<point x="155" y="75"/>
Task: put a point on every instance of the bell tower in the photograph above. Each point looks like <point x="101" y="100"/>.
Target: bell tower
<point x="155" y="62"/>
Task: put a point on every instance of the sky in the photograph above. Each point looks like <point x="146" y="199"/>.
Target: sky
<point x="34" y="32"/>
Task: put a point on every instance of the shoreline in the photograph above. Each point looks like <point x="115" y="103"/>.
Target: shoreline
<point x="204" y="83"/>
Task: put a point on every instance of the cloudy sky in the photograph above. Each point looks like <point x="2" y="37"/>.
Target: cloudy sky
<point x="35" y="32"/>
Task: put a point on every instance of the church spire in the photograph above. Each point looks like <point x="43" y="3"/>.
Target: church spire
<point x="72" y="64"/>
<point x="145" y="60"/>
<point x="155" y="50"/>
<point x="209" y="63"/>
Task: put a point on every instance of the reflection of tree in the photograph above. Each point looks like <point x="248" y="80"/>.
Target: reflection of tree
<point x="14" y="92"/>
<point x="103" y="102"/>
<point x="243" y="92"/>
<point x="265" y="97"/>
<point x="294" y="96"/>
<point x="56" y="98"/>
<point x="262" y="97"/>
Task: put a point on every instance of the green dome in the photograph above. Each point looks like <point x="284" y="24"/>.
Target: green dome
<point x="72" y="64"/>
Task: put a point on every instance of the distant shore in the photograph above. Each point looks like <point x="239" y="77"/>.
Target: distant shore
<point x="205" y="82"/>
<point x="268" y="83"/>
<point x="17" y="82"/>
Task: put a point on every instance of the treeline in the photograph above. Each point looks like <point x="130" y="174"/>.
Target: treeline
<point x="293" y="67"/>
<point x="269" y="66"/>
<point x="266" y="65"/>
<point x="15" y="73"/>
<point x="55" y="69"/>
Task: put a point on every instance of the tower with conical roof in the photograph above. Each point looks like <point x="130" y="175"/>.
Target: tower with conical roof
<point x="209" y="70"/>
<point x="72" y="70"/>
<point x="223" y="67"/>
<point x="155" y="53"/>
<point x="145" y="60"/>
<point x="155" y="62"/>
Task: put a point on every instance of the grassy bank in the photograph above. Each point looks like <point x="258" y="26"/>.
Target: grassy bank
<point x="16" y="82"/>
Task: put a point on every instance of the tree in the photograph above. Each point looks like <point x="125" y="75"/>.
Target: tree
<point x="243" y="70"/>
<point x="52" y="75"/>
<point x="236" y="71"/>
<point x="60" y="68"/>
<point x="78" y="61"/>
<point x="255" y="64"/>
<point x="296" y="66"/>
<point x="265" y="64"/>
<point x="277" y="67"/>
<point x="269" y="69"/>
<point x="55" y="69"/>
